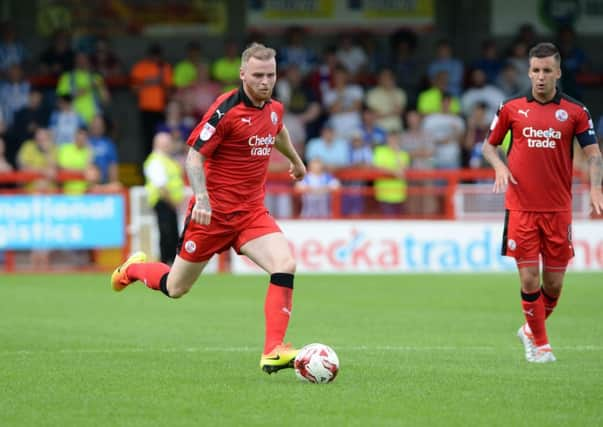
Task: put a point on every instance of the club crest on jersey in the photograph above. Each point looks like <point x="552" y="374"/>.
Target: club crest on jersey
<point x="512" y="245"/>
<point x="207" y="131"/>
<point x="190" y="246"/>
<point x="561" y="115"/>
<point x="274" y="117"/>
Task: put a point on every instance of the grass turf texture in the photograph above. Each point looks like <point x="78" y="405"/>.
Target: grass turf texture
<point x="437" y="350"/>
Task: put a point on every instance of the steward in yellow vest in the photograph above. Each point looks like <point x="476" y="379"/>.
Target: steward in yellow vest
<point x="165" y="192"/>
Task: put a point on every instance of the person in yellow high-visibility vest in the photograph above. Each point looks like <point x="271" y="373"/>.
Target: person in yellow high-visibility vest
<point x="391" y="193"/>
<point x="165" y="192"/>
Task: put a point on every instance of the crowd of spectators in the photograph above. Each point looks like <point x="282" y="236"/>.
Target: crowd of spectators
<point x="348" y="104"/>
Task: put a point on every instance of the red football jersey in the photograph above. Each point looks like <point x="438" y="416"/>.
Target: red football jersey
<point x="541" y="150"/>
<point x="236" y="139"/>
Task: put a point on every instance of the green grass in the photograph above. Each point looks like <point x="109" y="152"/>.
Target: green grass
<point x="434" y="350"/>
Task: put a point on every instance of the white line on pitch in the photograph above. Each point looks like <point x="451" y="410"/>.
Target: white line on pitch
<point x="255" y="349"/>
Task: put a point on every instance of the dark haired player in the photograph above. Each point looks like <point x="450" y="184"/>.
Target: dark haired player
<point x="543" y="125"/>
<point x="227" y="166"/>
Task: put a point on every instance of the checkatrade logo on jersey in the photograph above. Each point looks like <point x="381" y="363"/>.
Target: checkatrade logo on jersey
<point x="541" y="138"/>
<point x="261" y="145"/>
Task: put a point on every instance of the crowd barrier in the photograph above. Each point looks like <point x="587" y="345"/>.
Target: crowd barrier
<point x="106" y="225"/>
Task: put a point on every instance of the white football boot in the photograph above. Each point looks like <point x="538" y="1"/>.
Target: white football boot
<point x="527" y="339"/>
<point x="543" y="354"/>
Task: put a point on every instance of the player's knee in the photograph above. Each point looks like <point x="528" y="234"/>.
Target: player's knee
<point x="177" y="290"/>
<point x="286" y="265"/>
<point x="530" y="281"/>
<point x="177" y="293"/>
<point x="553" y="287"/>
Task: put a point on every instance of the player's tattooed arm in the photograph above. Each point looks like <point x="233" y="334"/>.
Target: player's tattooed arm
<point x="595" y="169"/>
<point x="201" y="212"/>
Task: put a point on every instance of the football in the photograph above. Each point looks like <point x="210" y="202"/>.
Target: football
<point x="316" y="363"/>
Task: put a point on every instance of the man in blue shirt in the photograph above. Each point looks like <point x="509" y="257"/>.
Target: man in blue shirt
<point x="105" y="153"/>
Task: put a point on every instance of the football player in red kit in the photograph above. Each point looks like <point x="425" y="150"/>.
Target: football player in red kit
<point x="537" y="179"/>
<point x="227" y="166"/>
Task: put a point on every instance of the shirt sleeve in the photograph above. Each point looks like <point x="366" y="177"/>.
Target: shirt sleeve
<point x="585" y="128"/>
<point x="499" y="126"/>
<point x="281" y="115"/>
<point x="206" y="137"/>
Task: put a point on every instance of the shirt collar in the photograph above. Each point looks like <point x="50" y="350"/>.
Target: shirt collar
<point x="556" y="99"/>
<point x="248" y="102"/>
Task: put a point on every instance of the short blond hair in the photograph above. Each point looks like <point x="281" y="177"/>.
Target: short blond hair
<point x="257" y="51"/>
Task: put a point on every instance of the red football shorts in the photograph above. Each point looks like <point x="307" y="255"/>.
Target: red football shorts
<point x="527" y="235"/>
<point x="199" y="242"/>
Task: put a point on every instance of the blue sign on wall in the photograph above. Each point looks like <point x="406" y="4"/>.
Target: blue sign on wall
<point x="62" y="222"/>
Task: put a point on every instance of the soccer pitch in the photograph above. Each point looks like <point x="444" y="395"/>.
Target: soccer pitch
<point x="433" y="350"/>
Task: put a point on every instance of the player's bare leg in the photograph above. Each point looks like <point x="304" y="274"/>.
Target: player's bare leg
<point x="173" y="282"/>
<point x="182" y="276"/>
<point x="552" y="284"/>
<point x="537" y="347"/>
<point x="271" y="252"/>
